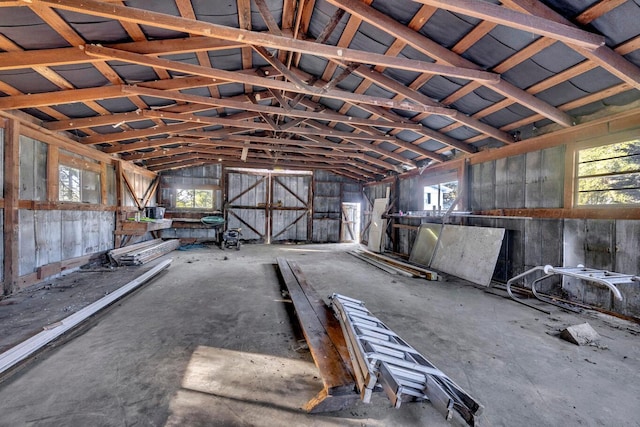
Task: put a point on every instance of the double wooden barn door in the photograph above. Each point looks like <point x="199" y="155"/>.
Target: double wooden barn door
<point x="269" y="206"/>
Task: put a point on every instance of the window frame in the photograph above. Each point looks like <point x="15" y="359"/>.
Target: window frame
<point x="195" y="189"/>
<point x="443" y="176"/>
<point x="572" y="170"/>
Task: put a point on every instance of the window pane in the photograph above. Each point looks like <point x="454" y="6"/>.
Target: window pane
<point x="440" y="196"/>
<point x="449" y="193"/>
<point x="185" y="198"/>
<point x="609" y="151"/>
<point x="609" y="174"/>
<point x="69" y="190"/>
<point x="90" y="191"/>
<point x="609" y="197"/>
<point x="620" y="164"/>
<point x="203" y="198"/>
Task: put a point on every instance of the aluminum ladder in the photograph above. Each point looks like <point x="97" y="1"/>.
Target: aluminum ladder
<point x="381" y="359"/>
<point x="605" y="278"/>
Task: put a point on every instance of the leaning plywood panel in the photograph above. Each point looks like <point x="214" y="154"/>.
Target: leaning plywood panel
<point x="425" y="244"/>
<point x="378" y="225"/>
<point x="470" y="253"/>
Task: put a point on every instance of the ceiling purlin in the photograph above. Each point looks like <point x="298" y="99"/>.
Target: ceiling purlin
<point x="421" y="130"/>
<point x="596" y="10"/>
<point x="186" y="11"/>
<point x="267" y="109"/>
<point x="603" y="55"/>
<point x="160" y="20"/>
<point x="301" y="27"/>
<point x="518" y="20"/>
<point x="51" y="18"/>
<point x="244" y="23"/>
<point x="446" y="56"/>
<point x="8" y="45"/>
<point x="135" y="32"/>
<point x="214" y="73"/>
<point x="375" y="76"/>
<point x="231" y="162"/>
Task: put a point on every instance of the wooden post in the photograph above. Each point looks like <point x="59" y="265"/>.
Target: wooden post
<point x="119" y="201"/>
<point x="11" y="197"/>
<point x="53" y="180"/>
<point x="103" y="183"/>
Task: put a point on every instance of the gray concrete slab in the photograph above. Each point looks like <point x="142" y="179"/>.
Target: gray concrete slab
<point x="151" y="358"/>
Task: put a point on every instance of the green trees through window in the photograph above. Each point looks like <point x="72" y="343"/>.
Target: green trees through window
<point x="69" y="189"/>
<point x="194" y="199"/>
<point x="609" y="174"/>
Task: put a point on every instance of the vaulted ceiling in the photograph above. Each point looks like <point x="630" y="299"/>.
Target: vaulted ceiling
<point x="364" y="88"/>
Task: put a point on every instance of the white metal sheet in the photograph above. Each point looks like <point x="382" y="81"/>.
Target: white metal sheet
<point x="470" y="253"/>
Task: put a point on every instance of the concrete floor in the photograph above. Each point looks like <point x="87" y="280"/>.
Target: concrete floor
<point x="210" y="342"/>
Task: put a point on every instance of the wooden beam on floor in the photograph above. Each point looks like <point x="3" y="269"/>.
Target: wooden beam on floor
<point x="326" y="343"/>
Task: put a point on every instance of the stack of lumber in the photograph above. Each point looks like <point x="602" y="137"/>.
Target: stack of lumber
<point x="394" y="266"/>
<point x="141" y="253"/>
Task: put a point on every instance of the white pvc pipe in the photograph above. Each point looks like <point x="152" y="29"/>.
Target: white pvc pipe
<point x="26" y="348"/>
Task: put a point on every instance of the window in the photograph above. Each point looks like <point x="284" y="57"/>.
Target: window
<point x="440" y="196"/>
<point x="78" y="185"/>
<point x="69" y="184"/>
<point x="194" y="199"/>
<point x="609" y="174"/>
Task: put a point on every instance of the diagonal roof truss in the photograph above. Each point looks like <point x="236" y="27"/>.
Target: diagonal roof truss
<point x="358" y="87"/>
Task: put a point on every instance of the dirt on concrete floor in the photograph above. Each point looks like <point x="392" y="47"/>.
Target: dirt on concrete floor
<point x="211" y="341"/>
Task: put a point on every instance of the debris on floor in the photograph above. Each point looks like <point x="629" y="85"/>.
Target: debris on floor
<point x="582" y="334"/>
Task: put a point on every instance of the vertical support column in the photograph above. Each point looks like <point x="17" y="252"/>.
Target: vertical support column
<point x="570" y="184"/>
<point x="395" y="232"/>
<point x="53" y="180"/>
<point x="119" y="202"/>
<point x="11" y="197"/>
<point x="310" y="207"/>
<point x="103" y="183"/>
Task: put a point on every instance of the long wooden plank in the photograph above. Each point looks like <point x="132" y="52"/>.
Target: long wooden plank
<point x="339" y="384"/>
<point x="325" y="315"/>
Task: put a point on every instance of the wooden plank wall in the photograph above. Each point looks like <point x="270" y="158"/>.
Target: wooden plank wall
<point x="43" y="236"/>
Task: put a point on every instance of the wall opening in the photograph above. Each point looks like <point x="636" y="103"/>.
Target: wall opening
<point x="350" y="228"/>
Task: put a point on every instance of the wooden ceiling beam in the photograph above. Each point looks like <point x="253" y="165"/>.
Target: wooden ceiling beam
<point x="140" y="133"/>
<point x="257" y="108"/>
<point x="367" y="146"/>
<point x="443" y="55"/>
<point x="597" y="9"/>
<point x="150" y="143"/>
<point x="230" y="76"/>
<point x="60" y="97"/>
<point x="603" y="55"/>
<point x="298" y="142"/>
<point x="76" y="55"/>
<point x="330" y="132"/>
<point x="510" y="18"/>
<point x="390" y="84"/>
<point x="160" y="20"/>
<point x="266" y="109"/>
